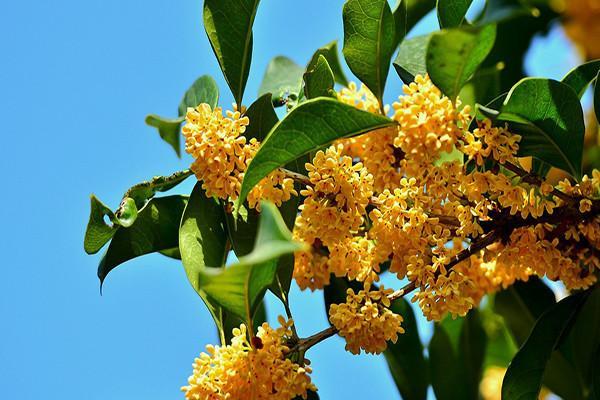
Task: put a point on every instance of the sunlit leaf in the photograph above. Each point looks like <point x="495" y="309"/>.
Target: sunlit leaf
<point x="330" y="52"/>
<point x="240" y="288"/>
<point x="283" y="79"/>
<point x="228" y="24"/>
<point x="548" y="116"/>
<point x="369" y="34"/>
<point x="452" y="13"/>
<point x="453" y="56"/>
<point x="580" y="77"/>
<point x="318" y="79"/>
<point x="307" y="127"/>
<point x="168" y="129"/>
<point x="406" y="15"/>
<point x="203" y="90"/>
<point x="410" y="60"/>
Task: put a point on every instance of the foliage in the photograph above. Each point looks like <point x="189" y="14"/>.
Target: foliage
<point x="451" y="190"/>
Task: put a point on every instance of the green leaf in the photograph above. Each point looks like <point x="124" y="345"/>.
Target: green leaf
<point x="548" y="116"/>
<point x="262" y="118"/>
<point x="472" y="346"/>
<point x="318" y="79"/>
<point x="369" y="34"/>
<point x="171" y="253"/>
<point x="242" y="230"/>
<point x="410" y="60"/>
<point x="405" y="358"/>
<point x="307" y="127"/>
<point x="580" y="77"/>
<point x="446" y="379"/>
<point x="155" y="229"/>
<point x="203" y="244"/>
<point x="283" y="79"/>
<point x="595" y="391"/>
<point x="452" y="13"/>
<point x="168" y="129"/>
<point x="457" y="351"/>
<point x="228" y="24"/>
<point x="523" y="379"/>
<point x="203" y="90"/>
<point x="202" y="236"/>
<point x="597" y="98"/>
<point x="98" y="232"/>
<point x="406" y="15"/>
<point x="583" y="342"/>
<point x="453" y="56"/>
<point x="522" y="304"/>
<point x="330" y="52"/>
<point x="240" y="288"/>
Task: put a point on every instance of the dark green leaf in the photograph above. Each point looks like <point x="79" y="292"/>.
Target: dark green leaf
<point x="446" y="377"/>
<point x="202" y="236"/>
<point x="262" y="118"/>
<point x="228" y="24"/>
<point x="307" y="127"/>
<point x="369" y="34"/>
<point x="472" y="346"/>
<point x="240" y="288"/>
<point x="457" y="352"/>
<point x="203" y="90"/>
<point x="453" y="56"/>
<point x="405" y="358"/>
<point x="595" y="391"/>
<point x="410" y="60"/>
<point x="318" y="79"/>
<point x="203" y="244"/>
<point x="584" y="340"/>
<point x="406" y="15"/>
<point x="523" y="379"/>
<point x="168" y="129"/>
<point x="330" y="52"/>
<point x="522" y="304"/>
<point x="452" y="13"/>
<point x="579" y="78"/>
<point x="283" y="79"/>
<point x="242" y="231"/>
<point x="597" y="98"/>
<point x="155" y="229"/>
<point x="548" y="116"/>
<point x="171" y="253"/>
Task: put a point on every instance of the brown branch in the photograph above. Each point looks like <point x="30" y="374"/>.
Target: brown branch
<point x="533" y="179"/>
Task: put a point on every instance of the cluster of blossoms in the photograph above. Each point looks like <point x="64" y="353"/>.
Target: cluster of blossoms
<point x="243" y="371"/>
<point x="581" y="24"/>
<point x="222" y="154"/>
<point x="454" y="230"/>
<point x="365" y="320"/>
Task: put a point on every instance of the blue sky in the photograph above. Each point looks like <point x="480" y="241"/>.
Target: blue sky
<point x="76" y="81"/>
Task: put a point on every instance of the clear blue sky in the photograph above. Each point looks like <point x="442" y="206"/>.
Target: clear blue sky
<point x="76" y="81"/>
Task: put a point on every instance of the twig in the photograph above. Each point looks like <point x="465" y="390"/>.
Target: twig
<point x="531" y="178"/>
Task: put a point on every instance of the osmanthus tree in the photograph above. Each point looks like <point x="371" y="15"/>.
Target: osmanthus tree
<point x="469" y="189"/>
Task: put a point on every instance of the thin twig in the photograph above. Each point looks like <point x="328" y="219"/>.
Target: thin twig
<point x="532" y="178"/>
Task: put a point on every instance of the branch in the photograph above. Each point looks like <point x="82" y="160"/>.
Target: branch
<point x="531" y="178"/>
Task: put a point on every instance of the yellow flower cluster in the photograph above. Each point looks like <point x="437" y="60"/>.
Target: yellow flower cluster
<point x="376" y="149"/>
<point x="365" y="320"/>
<point x="222" y="154"/>
<point x="332" y="215"/>
<point x="429" y="124"/>
<point x="491" y="142"/>
<point x="581" y="24"/>
<point x="241" y="371"/>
